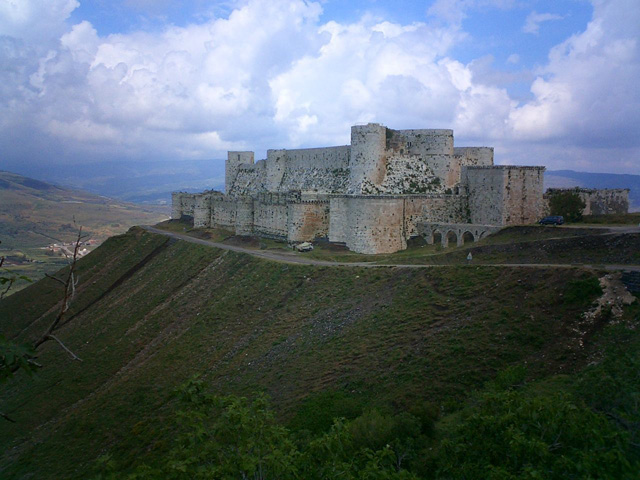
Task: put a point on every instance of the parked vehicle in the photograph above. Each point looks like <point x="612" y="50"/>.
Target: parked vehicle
<point x="304" y="247"/>
<point x="552" y="220"/>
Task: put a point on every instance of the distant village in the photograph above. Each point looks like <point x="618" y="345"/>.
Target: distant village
<point x="66" y="249"/>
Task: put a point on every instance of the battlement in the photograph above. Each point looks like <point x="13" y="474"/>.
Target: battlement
<point x="371" y="194"/>
<point x="505" y="167"/>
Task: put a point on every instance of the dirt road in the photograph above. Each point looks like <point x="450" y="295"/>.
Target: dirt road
<point x="294" y="258"/>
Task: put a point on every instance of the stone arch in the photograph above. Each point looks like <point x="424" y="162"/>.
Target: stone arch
<point x="467" y="237"/>
<point x="452" y="237"/>
<point x="436" y="235"/>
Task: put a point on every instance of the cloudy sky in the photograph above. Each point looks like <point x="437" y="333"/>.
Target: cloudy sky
<point x="547" y="82"/>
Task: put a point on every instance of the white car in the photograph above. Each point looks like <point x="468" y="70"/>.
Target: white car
<point x="304" y="247"/>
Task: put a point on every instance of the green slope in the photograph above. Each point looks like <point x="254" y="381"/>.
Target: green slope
<point x="152" y="312"/>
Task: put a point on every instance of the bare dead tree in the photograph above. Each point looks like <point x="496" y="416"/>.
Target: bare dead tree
<point x="69" y="282"/>
<point x="7" y="282"/>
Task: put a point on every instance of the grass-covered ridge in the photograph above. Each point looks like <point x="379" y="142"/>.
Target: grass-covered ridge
<point x="151" y="312"/>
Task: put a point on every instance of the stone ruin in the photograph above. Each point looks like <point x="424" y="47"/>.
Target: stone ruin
<point x="373" y="195"/>
<point x="605" y="201"/>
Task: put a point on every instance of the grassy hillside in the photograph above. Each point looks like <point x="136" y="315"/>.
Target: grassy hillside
<point x="151" y="312"/>
<point x="34" y="214"/>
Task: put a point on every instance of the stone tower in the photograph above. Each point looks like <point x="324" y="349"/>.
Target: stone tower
<point x="232" y="165"/>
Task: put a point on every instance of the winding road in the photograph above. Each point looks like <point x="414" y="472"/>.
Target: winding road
<point x="293" y="258"/>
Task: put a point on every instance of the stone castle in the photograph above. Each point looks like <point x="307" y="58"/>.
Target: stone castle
<point x="373" y="195"/>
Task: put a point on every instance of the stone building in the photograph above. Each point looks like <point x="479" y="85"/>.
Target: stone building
<point x="605" y="201"/>
<point x="373" y="195"/>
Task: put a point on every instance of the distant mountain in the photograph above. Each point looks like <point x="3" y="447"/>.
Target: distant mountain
<point x="33" y="213"/>
<point x="570" y="178"/>
<point x="36" y="214"/>
<point x="142" y="182"/>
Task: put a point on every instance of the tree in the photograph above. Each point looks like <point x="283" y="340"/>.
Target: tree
<point x="223" y="437"/>
<point x="234" y="437"/>
<point x="518" y="435"/>
<point x="568" y="204"/>
<point x="21" y="357"/>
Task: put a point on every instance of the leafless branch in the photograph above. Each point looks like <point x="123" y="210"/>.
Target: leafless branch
<point x="6" y="290"/>
<point x="54" y="278"/>
<point x="7" y="417"/>
<point x="69" y="283"/>
<point x="10" y="283"/>
<point x="31" y="361"/>
<point x="66" y="349"/>
<point x="69" y="290"/>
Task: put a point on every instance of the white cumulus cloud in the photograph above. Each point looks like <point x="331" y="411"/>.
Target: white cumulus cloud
<point x="534" y="19"/>
<point x="587" y="95"/>
<point x="272" y="75"/>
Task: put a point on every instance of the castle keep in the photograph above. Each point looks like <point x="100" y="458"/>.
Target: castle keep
<point x="373" y="195"/>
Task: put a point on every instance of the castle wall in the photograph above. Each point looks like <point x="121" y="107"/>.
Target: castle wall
<point x="485" y="187"/>
<point x="244" y="216"/>
<point x="409" y="175"/>
<point x="202" y="210"/>
<point x="176" y="205"/>
<point x="223" y="212"/>
<point x="367" y="162"/>
<point x="250" y="180"/>
<point x="182" y="203"/>
<point x="474" y="156"/>
<point x="416" y="162"/>
<point x="321" y="170"/>
<point x="318" y="180"/>
<point x="328" y="158"/>
<point x="338" y="208"/>
<point x="440" y="208"/>
<point x="597" y="201"/>
<point x="382" y="224"/>
<point x="523" y="195"/>
<point x="308" y="220"/>
<point x="234" y="161"/>
<point x="373" y="224"/>
<point x="270" y="215"/>
<point x="504" y="195"/>
<point x="466" y="157"/>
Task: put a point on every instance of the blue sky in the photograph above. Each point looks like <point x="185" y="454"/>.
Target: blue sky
<point x="546" y="82"/>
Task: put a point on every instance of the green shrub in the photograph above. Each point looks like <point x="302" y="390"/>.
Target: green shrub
<point x="509" y="435"/>
<point x="582" y="291"/>
<point x="318" y="411"/>
<point x="568" y="204"/>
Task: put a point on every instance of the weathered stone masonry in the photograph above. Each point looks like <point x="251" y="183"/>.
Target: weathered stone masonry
<point x="596" y="201"/>
<point x="372" y="195"/>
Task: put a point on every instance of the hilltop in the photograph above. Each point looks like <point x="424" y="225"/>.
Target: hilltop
<point x="153" y="311"/>
<point x="35" y="214"/>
